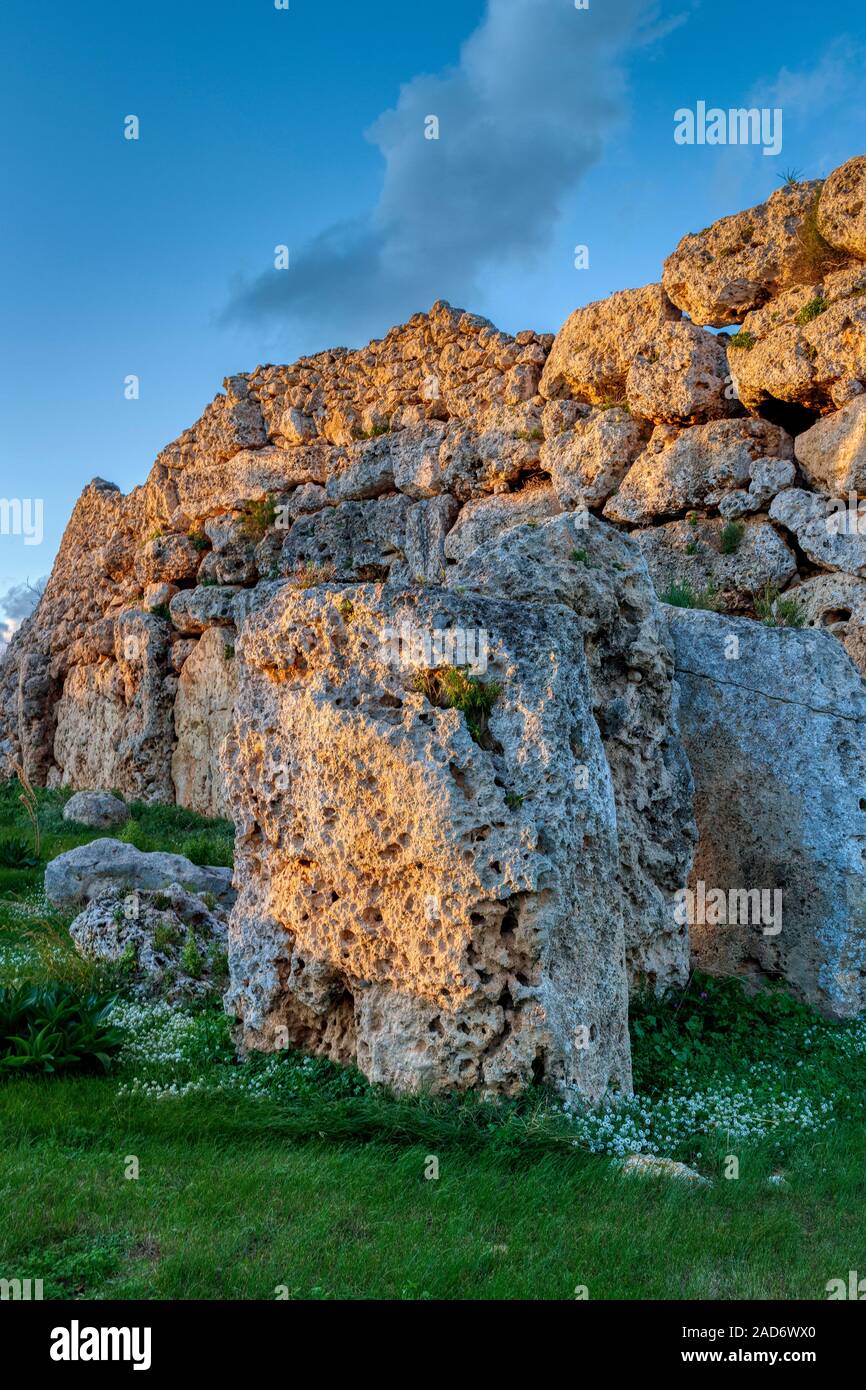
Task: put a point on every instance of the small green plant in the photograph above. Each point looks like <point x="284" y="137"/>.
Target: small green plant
<point x="209" y="900"/>
<point x="190" y="958"/>
<point x="744" y="340"/>
<point x="811" y="310"/>
<point x="682" y="594"/>
<point x="161" y="610"/>
<point x="346" y="607"/>
<point x="450" y="687"/>
<point x="731" y="536"/>
<point x="513" y="800"/>
<point x="376" y="431"/>
<point x="228" y="651"/>
<point x="775" y="610"/>
<point x="198" y="540"/>
<point x="165" y="935"/>
<point x="692" y="547"/>
<point x="218" y="959"/>
<point x="580" y="557"/>
<point x="16" y="853"/>
<point x="55" y="1029"/>
<point x="257" y="518"/>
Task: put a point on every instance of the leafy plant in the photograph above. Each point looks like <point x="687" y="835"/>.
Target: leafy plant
<point x="161" y="610"/>
<point x="190" y="958"/>
<point x="55" y="1029"/>
<point x="744" y="340"/>
<point x="198" y="540"/>
<point x="16" y="853"/>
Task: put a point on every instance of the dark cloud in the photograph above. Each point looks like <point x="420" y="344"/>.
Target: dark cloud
<point x="538" y="91"/>
<point x="16" y="604"/>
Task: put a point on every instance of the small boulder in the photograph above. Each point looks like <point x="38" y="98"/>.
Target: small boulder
<point x="173" y="944"/>
<point x="104" y="865"/>
<point x="98" y="810"/>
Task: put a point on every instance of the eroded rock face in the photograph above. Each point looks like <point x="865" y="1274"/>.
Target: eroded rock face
<point x="203" y="712"/>
<point x="830" y="534"/>
<point x="588" y="457"/>
<point x="598" y="574"/>
<point x="594" y="349"/>
<point x="832" y="453"/>
<point x="690" y="553"/>
<point x="842" y="208"/>
<point x="114" y="717"/>
<point x="447" y="914"/>
<point x="774" y="720"/>
<point x="697" y="467"/>
<point x="741" y="261"/>
<point x="683" y="379"/>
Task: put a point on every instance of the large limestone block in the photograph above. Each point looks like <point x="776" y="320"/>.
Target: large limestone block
<point x="690" y="552"/>
<point x="832" y="453"/>
<point x="774" y="721"/>
<point x="695" y="467"/>
<point x="737" y="264"/>
<point x="444" y="911"/>
<point x="203" y="707"/>
<point x="683" y="379"/>
<point x="588" y="458"/>
<point x="812" y="365"/>
<point x="352" y="540"/>
<point x="830" y="533"/>
<point x="599" y="575"/>
<point x="114" y="723"/>
<point x="842" y="207"/>
<point x="487" y="517"/>
<point x="596" y="345"/>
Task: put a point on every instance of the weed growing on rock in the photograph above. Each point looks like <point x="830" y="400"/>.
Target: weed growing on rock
<point x="731" y="536"/>
<point x="450" y="687"/>
<point x="776" y="610"/>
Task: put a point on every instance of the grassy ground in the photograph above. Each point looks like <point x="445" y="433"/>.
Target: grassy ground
<point x="287" y="1173"/>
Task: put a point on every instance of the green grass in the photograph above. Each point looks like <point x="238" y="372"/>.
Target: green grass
<point x="681" y="593"/>
<point x="220" y="1211"/>
<point x="289" y="1171"/>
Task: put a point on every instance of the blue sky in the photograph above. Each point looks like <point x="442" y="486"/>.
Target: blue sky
<point x="303" y="127"/>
